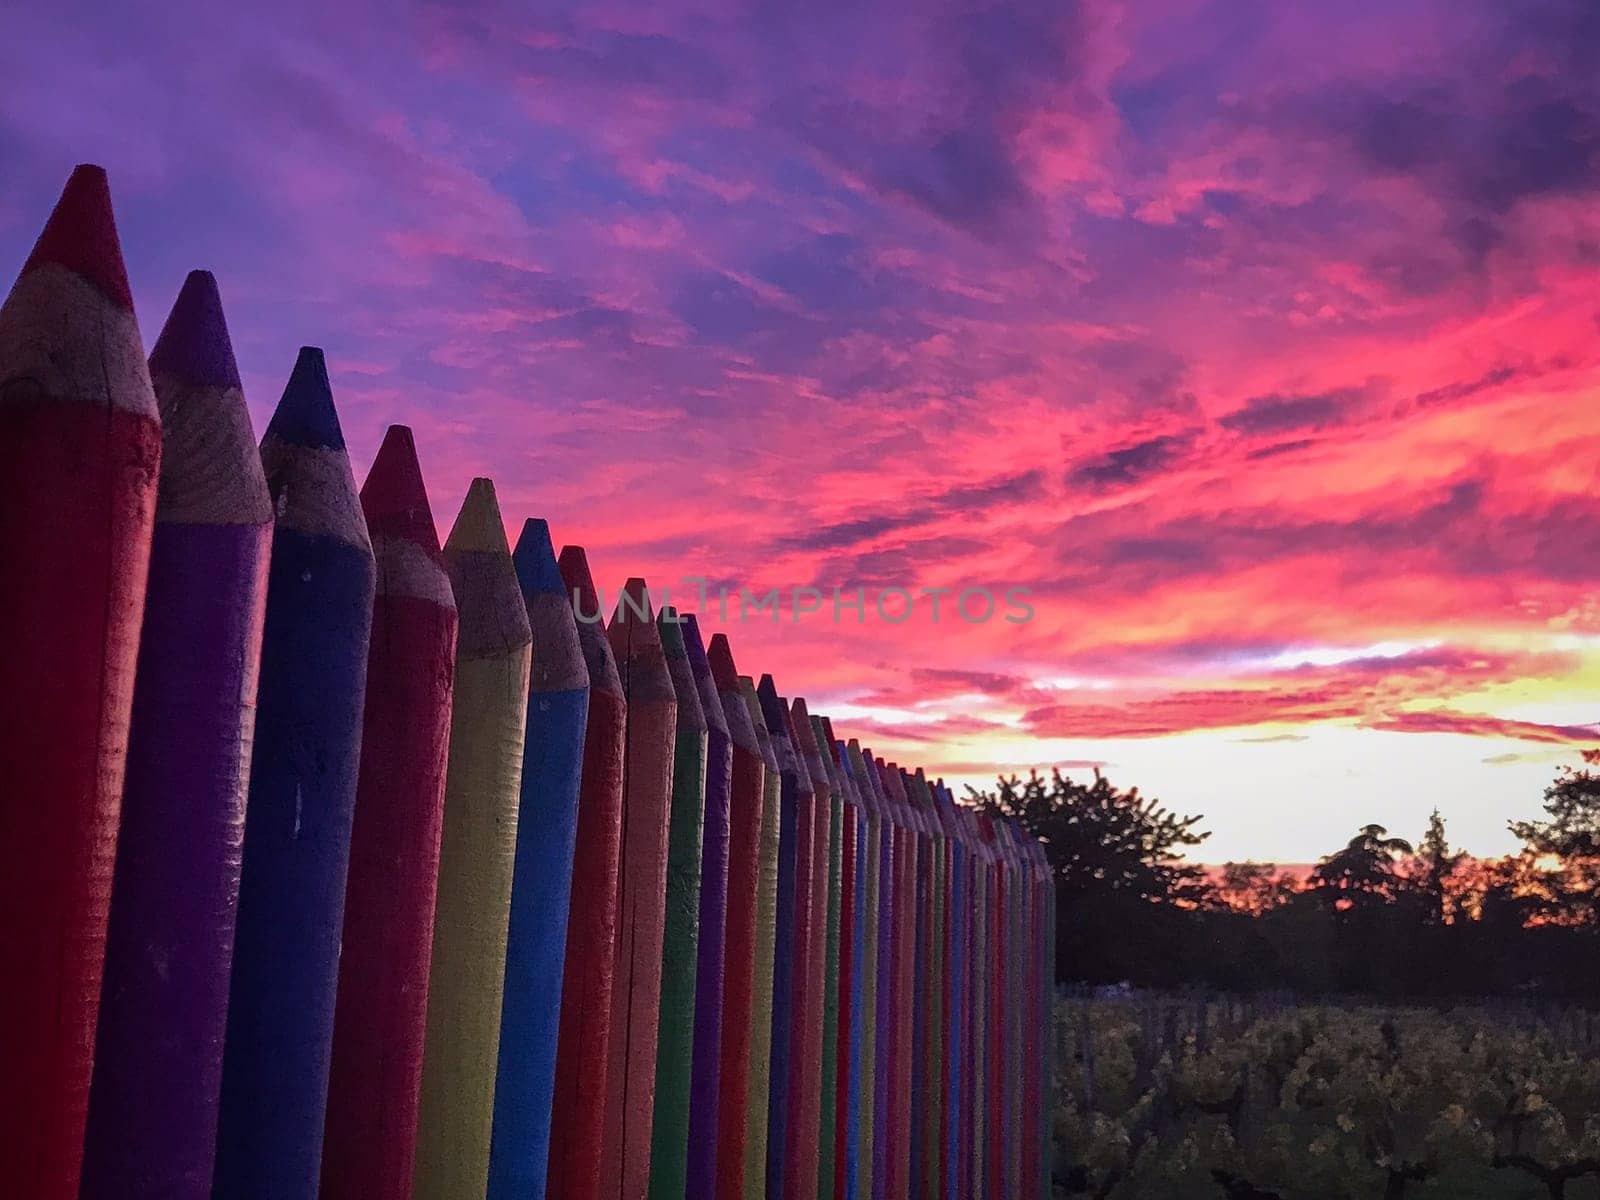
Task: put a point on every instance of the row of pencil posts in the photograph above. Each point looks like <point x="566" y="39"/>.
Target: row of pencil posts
<point x="336" y="862"/>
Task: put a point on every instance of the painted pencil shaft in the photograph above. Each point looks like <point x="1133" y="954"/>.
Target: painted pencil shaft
<point x="477" y="851"/>
<point x="680" y="948"/>
<point x="302" y="796"/>
<point x="380" y="1020"/>
<point x="578" y="1116"/>
<point x="868" y="958"/>
<point x="799" y="1126"/>
<point x="80" y="447"/>
<point x="705" y="1086"/>
<point x="169" y="947"/>
<point x="641" y="893"/>
<point x="831" y="864"/>
<point x="764" y="972"/>
<point x="794" y="841"/>
<point x="747" y="789"/>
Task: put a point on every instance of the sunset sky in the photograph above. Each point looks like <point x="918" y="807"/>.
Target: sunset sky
<point x="1260" y="340"/>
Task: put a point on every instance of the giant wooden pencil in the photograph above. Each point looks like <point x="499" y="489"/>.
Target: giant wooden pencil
<point x="302" y="793"/>
<point x="925" y="1085"/>
<point x="852" y="846"/>
<point x="578" y="1118"/>
<point x="375" y="1080"/>
<point x="558" y="711"/>
<point x="169" y="945"/>
<point x="800" y="1129"/>
<point x="1016" y="956"/>
<point x="710" y="976"/>
<point x="996" y="1101"/>
<point x="977" y="990"/>
<point x="981" y="978"/>
<point x="961" y="1131"/>
<point x="746" y="789"/>
<point x="966" y="915"/>
<point x="961" y="817"/>
<point x="763" y="976"/>
<point x="1004" y="1127"/>
<point x="989" y="1039"/>
<point x="842" y="1100"/>
<point x="80" y="446"/>
<point x="787" y="956"/>
<point x="1027" y="990"/>
<point x="957" y="898"/>
<point x="1040" y="996"/>
<point x="1047" y="1018"/>
<point x="970" y="1002"/>
<point x="641" y="893"/>
<point x="1013" y="1030"/>
<point x="921" y="973"/>
<point x="939" y="984"/>
<point x="903" y="1024"/>
<point x="887" y="1135"/>
<point x="1013" y="1064"/>
<point x="1027" y="1061"/>
<point x="950" y="1087"/>
<point x="867" y="1071"/>
<point x="936" y="980"/>
<point x="933" y="1031"/>
<point x="477" y="854"/>
<point x="680" y="942"/>
<point x="890" y="855"/>
<point x="824" y="957"/>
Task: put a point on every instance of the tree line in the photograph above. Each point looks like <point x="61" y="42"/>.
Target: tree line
<point x="1382" y="915"/>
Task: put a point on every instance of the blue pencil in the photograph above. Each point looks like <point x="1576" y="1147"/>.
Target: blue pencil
<point x="541" y="881"/>
<point x="302" y="795"/>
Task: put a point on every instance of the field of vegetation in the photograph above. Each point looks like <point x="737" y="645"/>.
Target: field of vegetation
<point x="1161" y="1096"/>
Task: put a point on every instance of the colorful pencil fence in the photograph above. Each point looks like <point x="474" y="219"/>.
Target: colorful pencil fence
<point x="409" y="877"/>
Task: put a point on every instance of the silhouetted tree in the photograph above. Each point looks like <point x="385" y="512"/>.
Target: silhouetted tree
<point x="1101" y="839"/>
<point x="1362" y="875"/>
<point x="1253" y="888"/>
<point x="1373" y="918"/>
<point x="1124" y="894"/>
<point x="1572" y="834"/>
<point x="1433" y="872"/>
<point x="1358" y="887"/>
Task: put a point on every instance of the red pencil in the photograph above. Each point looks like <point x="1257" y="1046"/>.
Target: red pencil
<point x="80" y="447"/>
<point x="739" y="950"/>
<point x="641" y="894"/>
<point x="380" y="1017"/>
<point x="578" y="1119"/>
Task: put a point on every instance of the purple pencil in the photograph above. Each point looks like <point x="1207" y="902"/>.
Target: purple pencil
<point x="163" y="1011"/>
<point x="705" y="1076"/>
